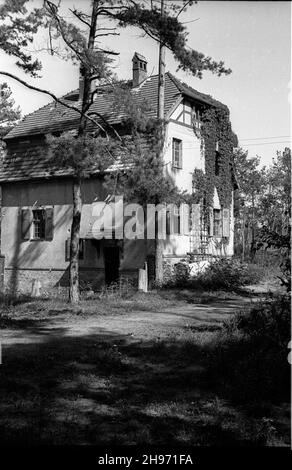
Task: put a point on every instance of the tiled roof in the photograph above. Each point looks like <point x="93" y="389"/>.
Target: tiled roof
<point x="54" y="117"/>
<point x="26" y="160"/>
<point x="192" y="93"/>
<point x="31" y="160"/>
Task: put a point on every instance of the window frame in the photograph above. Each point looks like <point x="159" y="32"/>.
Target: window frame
<point x="176" y="164"/>
<point x="41" y="224"/>
<point x="217" y="233"/>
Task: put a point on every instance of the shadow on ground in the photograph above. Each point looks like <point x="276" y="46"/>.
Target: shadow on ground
<point x="105" y="388"/>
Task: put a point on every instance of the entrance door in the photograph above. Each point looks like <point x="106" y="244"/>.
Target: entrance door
<point x="111" y="263"/>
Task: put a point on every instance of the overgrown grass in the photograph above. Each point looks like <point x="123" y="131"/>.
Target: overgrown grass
<point x="249" y="358"/>
<point x="26" y="307"/>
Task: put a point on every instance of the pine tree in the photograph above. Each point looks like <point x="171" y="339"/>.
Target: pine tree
<point x="9" y="114"/>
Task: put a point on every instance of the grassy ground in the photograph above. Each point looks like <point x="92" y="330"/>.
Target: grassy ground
<point x="124" y="371"/>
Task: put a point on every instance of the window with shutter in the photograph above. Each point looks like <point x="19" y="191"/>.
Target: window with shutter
<point x="42" y="223"/>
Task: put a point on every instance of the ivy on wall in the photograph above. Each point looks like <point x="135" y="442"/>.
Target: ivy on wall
<point x="217" y="142"/>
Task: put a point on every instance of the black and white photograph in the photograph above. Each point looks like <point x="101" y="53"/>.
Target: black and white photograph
<point x="145" y="230"/>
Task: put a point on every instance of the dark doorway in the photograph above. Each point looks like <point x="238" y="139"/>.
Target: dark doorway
<point x="111" y="263"/>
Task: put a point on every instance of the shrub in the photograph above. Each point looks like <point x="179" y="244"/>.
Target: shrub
<point x="268" y="320"/>
<point x="181" y="273"/>
<point x="176" y="275"/>
<point x="249" y="360"/>
<point x="224" y="273"/>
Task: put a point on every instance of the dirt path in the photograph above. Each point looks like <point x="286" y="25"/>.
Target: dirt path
<point x="138" y="325"/>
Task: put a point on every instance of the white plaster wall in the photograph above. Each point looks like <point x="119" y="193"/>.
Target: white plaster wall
<point x="179" y="245"/>
<point x="42" y="254"/>
<point x="191" y="155"/>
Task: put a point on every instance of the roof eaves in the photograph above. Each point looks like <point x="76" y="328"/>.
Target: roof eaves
<point x="187" y="90"/>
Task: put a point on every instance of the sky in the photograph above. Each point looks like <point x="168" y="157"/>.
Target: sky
<point x="252" y="38"/>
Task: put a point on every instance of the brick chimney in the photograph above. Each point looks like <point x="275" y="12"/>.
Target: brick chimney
<point x="139" y="69"/>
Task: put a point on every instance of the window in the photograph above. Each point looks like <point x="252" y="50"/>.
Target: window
<point x="176" y="153"/>
<point x="39" y="224"/>
<point x="173" y="225"/>
<point x="217" y="223"/>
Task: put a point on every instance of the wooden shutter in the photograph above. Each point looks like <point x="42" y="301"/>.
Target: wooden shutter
<point x="49" y="223"/>
<point x="211" y="221"/>
<point x="26" y="221"/>
<point x="196" y="226"/>
<point x="167" y="223"/>
<point x="185" y="214"/>
<point x="67" y="249"/>
<point x="225" y="223"/>
<point x="180" y="154"/>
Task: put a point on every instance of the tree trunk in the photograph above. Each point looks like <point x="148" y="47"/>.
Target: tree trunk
<point x="77" y="197"/>
<point x="160" y="115"/>
<point x="74" y="245"/>
<point x="243" y="236"/>
<point x="252" y="245"/>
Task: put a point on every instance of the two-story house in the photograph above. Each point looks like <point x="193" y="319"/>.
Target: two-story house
<point x="36" y="201"/>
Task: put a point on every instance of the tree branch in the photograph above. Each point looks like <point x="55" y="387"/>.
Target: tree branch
<point x="54" y="13"/>
<point x="183" y="7"/>
<point x="58" y="100"/>
<point x="79" y="16"/>
<point x="107" y="34"/>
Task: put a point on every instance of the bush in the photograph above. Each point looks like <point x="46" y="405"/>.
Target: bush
<point x="268" y="320"/>
<point x="249" y="360"/>
<point x="176" y="275"/>
<point x="224" y="273"/>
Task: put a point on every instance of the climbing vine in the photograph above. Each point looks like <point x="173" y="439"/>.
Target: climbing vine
<point x="217" y="142"/>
